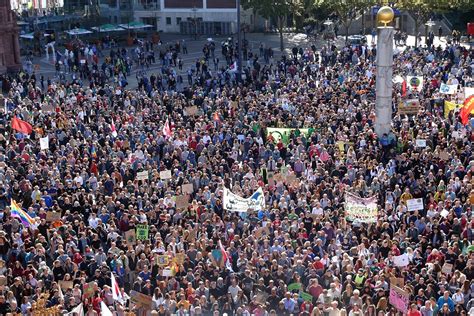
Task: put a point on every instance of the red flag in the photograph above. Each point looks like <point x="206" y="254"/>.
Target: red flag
<point x="216" y="117"/>
<point x="404" y="88"/>
<point x="21" y="126"/>
<point x="167" y="129"/>
<point x="467" y="109"/>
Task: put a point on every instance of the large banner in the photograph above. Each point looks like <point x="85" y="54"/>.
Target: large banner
<point x="284" y="133"/>
<point x="235" y="203"/>
<point x="359" y="209"/>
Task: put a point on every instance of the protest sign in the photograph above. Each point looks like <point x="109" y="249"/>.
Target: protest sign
<point x="447" y="268"/>
<point x="187" y="188"/>
<point x="401" y="261"/>
<point x="141" y="299"/>
<point x="130" y="237"/>
<point x="420" y="143"/>
<point x="415" y="204"/>
<point x="166" y="174"/>
<point x="191" y="111"/>
<point x="66" y="285"/>
<point x="399" y="298"/>
<point x="410" y="106"/>
<point x="142" y="232"/>
<point x="53" y="216"/>
<point x="182" y="202"/>
<point x="163" y="260"/>
<point x="359" y="209"/>
<point x="142" y="175"/>
<point x="168" y="272"/>
<point x="294" y="286"/>
<point x="235" y="203"/>
<point x="44" y="143"/>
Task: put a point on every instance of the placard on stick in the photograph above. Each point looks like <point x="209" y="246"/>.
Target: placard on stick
<point x="131" y="237"/>
<point x="187" y="188"/>
<point x="165" y="175"/>
<point x="182" y="201"/>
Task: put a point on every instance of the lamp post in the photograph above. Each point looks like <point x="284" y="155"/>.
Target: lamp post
<point x="428" y="26"/>
<point x="328" y="23"/>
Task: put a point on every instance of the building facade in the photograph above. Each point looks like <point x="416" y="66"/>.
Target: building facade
<point x="201" y="17"/>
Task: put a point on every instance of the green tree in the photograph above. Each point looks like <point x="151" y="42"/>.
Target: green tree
<point x="422" y="10"/>
<point x="276" y="10"/>
<point x="348" y="10"/>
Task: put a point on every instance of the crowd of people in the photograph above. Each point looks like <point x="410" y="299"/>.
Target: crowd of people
<point x="128" y="189"/>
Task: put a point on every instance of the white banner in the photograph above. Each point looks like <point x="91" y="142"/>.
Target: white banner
<point x="44" y="143"/>
<point x="235" y="203"/>
<point x="401" y="261"/>
<point x="448" y="88"/>
<point x="415" y="83"/>
<point x="415" y="204"/>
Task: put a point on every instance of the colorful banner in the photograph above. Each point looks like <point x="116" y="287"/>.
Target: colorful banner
<point x="450" y="106"/>
<point x="284" y="133"/>
<point x="359" y="209"/>
<point x="415" y="83"/>
<point x="399" y="298"/>
<point x="234" y="203"/>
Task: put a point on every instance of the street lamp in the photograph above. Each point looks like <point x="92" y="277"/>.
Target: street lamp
<point x="328" y="23"/>
<point x="428" y="25"/>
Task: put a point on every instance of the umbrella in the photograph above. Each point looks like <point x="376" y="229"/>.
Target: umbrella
<point x="28" y="35"/>
<point x="135" y="25"/>
<point x="107" y="28"/>
<point x="78" y="32"/>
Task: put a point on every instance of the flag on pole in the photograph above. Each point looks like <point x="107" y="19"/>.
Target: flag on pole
<point x="116" y="293"/>
<point x="21" y="126"/>
<point x="226" y="257"/>
<point x="24" y="217"/>
<point x="404" y="88"/>
<point x="113" y="129"/>
<point x="104" y="310"/>
<point x="450" y="106"/>
<point x="167" y="129"/>
<point x="77" y="311"/>
<point x="233" y="67"/>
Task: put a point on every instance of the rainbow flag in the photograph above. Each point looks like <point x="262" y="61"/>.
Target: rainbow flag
<point x="93" y="152"/>
<point x="24" y="217"/>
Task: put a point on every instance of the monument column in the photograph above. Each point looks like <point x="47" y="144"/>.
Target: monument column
<point x="9" y="45"/>
<point x="384" y="85"/>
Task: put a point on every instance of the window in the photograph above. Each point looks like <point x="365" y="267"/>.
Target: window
<point x="168" y="21"/>
<point x="178" y="21"/>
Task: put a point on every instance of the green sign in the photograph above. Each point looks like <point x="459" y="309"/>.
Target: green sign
<point x="142" y="232"/>
<point x="306" y="296"/>
<point x="294" y="286"/>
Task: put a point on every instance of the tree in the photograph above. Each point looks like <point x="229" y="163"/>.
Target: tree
<point x="276" y="10"/>
<point x="348" y="10"/>
<point x="422" y="10"/>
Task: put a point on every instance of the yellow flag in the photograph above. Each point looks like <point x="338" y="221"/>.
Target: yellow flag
<point x="449" y="106"/>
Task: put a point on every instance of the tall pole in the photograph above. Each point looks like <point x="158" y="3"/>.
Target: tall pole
<point x="384" y="85"/>
<point x="239" y="44"/>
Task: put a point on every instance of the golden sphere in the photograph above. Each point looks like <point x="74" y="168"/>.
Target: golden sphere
<point x="385" y="15"/>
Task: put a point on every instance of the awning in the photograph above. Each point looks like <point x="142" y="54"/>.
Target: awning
<point x="78" y="32"/>
<point x="135" y="25"/>
<point x="107" y="28"/>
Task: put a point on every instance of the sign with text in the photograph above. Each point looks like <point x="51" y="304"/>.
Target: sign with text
<point x="415" y="204"/>
<point x="399" y="298"/>
<point x="142" y="232"/>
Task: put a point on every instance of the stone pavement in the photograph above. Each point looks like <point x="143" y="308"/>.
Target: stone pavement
<point x="46" y="67"/>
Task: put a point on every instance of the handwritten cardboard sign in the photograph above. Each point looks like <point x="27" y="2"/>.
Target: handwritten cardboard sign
<point x="53" y="216"/>
<point x="187" y="188"/>
<point x="142" y="175"/>
<point x="131" y="237"/>
<point x="141" y="299"/>
<point x="66" y="285"/>
<point x="192" y="110"/>
<point x="165" y="175"/>
<point x="447" y="268"/>
<point x="182" y="201"/>
<point x="399" y="298"/>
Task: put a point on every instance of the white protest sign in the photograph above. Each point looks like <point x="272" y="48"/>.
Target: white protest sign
<point x="401" y="261"/>
<point x="44" y="143"/>
<point x="420" y="143"/>
<point x="166" y="174"/>
<point x="235" y="203"/>
<point x="142" y="175"/>
<point x="415" y="204"/>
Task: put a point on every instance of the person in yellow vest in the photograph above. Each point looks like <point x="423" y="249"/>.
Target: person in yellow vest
<point x="406" y="196"/>
<point x="359" y="279"/>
